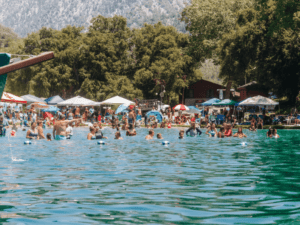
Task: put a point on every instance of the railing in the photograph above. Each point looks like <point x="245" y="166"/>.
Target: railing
<point x="148" y="104"/>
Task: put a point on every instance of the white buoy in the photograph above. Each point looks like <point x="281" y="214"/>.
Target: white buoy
<point x="165" y="142"/>
<point x="244" y="143"/>
<point x="27" y="142"/>
<point x="101" y="143"/>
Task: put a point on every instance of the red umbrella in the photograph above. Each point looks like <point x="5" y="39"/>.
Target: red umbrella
<point x="181" y="107"/>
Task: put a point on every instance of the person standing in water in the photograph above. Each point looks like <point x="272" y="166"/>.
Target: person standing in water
<point x="32" y="133"/>
<point x="159" y="136"/>
<point x="240" y="133"/>
<point x="275" y="135"/>
<point x="118" y="135"/>
<point x="193" y="131"/>
<point x="40" y="130"/>
<point x="92" y="134"/>
<point x="60" y="127"/>
<point x="131" y="117"/>
<point x="131" y="131"/>
<point x="150" y="135"/>
<point x="181" y="134"/>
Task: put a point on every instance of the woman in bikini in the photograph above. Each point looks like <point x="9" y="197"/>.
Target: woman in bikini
<point x="240" y="133"/>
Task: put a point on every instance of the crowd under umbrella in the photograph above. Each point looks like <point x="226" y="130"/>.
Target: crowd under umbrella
<point x="156" y="114"/>
<point x="54" y="100"/>
<point x="32" y="99"/>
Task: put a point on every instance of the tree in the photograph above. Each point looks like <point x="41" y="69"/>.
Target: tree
<point x="159" y="53"/>
<point x="262" y="49"/>
<point x="207" y="21"/>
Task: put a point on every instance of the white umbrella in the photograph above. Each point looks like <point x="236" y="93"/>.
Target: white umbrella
<point x="258" y="101"/>
<point x="117" y="100"/>
<point x="76" y="101"/>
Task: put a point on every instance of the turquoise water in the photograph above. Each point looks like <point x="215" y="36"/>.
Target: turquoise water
<point x="134" y="181"/>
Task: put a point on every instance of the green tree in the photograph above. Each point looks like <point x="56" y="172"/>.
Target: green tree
<point x="159" y="53"/>
<point x="262" y="49"/>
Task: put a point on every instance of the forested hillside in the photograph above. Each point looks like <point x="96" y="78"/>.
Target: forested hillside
<point x="31" y="15"/>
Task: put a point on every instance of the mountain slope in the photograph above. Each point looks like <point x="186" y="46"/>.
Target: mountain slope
<point x="26" y="16"/>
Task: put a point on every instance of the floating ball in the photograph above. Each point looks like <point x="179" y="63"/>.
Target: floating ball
<point x="101" y="143"/>
<point x="165" y="142"/>
<point x="27" y="142"/>
<point x="244" y="143"/>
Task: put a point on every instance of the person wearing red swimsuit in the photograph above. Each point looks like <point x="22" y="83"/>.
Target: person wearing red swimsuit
<point x="228" y="131"/>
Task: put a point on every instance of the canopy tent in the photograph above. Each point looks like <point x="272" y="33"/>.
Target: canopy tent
<point x="7" y="97"/>
<point x="117" y="100"/>
<point x="31" y="99"/>
<point x="258" y="101"/>
<point x="121" y="108"/>
<point x="225" y="102"/>
<point x="210" y="102"/>
<point x="194" y="109"/>
<point x="157" y="114"/>
<point x="54" y="100"/>
<point x="76" y="101"/>
<point x="51" y="109"/>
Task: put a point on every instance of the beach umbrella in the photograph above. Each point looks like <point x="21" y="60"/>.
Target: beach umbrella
<point x="258" y="101"/>
<point x="38" y="105"/>
<point x="194" y="109"/>
<point x="181" y="107"/>
<point x="210" y="102"/>
<point x="121" y="108"/>
<point x="155" y="113"/>
<point x="225" y="102"/>
<point x="51" y="109"/>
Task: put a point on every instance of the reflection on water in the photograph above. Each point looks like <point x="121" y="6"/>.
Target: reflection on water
<point x="134" y="181"/>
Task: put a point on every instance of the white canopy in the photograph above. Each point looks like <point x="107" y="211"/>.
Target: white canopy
<point x="258" y="101"/>
<point x="76" y="101"/>
<point x="117" y="100"/>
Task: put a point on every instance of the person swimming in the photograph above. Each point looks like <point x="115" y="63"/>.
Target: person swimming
<point x="181" y="134"/>
<point x="228" y="131"/>
<point x="221" y="133"/>
<point x="270" y="132"/>
<point x="150" y="135"/>
<point x="118" y="135"/>
<point x="92" y="134"/>
<point x="159" y="136"/>
<point x="131" y="131"/>
<point x="240" y="133"/>
<point x="211" y="130"/>
<point x="98" y="133"/>
<point x="48" y="136"/>
<point x="193" y="131"/>
<point x="275" y="135"/>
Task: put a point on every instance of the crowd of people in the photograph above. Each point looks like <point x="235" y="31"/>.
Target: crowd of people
<point x="67" y="118"/>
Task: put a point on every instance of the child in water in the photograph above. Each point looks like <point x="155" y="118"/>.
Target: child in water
<point x="159" y="136"/>
<point x="181" y="134"/>
<point x="48" y="137"/>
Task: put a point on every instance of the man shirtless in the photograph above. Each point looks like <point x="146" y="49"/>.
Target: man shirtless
<point x="131" y="117"/>
<point x="150" y="135"/>
<point x="77" y="112"/>
<point x="59" y="129"/>
<point x="40" y="130"/>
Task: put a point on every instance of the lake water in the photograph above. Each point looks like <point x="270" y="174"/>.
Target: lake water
<point x="134" y="181"/>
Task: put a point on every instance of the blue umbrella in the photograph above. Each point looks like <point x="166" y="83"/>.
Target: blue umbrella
<point x="121" y="108"/>
<point x="210" y="102"/>
<point x="193" y="109"/>
<point x="51" y="109"/>
<point x="157" y="114"/>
